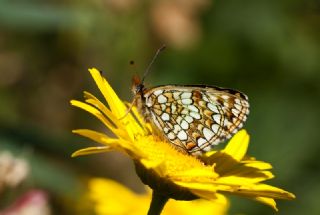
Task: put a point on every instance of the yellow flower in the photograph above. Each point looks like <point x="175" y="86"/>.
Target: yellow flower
<point x="112" y="198"/>
<point x="168" y="171"/>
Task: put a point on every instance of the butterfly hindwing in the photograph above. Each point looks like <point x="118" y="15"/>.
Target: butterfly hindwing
<point x="196" y="118"/>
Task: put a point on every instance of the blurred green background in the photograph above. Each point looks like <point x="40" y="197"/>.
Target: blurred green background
<point x="269" y="49"/>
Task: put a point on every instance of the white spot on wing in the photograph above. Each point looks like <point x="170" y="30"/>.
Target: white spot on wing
<point x="184" y="124"/>
<point x="176" y="95"/>
<point x="215" y="128"/>
<point x="193" y="108"/>
<point x="165" y="117"/>
<point x="201" y="141"/>
<point x="239" y="107"/>
<point x="217" y="118"/>
<point x="179" y="119"/>
<point x="237" y="101"/>
<point x="234" y="120"/>
<point x="158" y="92"/>
<point x="208" y="134"/>
<point x="173" y="108"/>
<point x="171" y="136"/>
<point x="176" y="128"/>
<point x="189" y="119"/>
<point x="225" y="97"/>
<point x="205" y="98"/>
<point x="235" y="112"/>
<point x="195" y="115"/>
<point x="186" y="95"/>
<point x="163" y="107"/>
<point x="182" y="135"/>
<point x="186" y="101"/>
<point x="244" y="118"/>
<point x="162" y="99"/>
<point x="149" y="102"/>
<point x="213" y="108"/>
<point x="227" y="123"/>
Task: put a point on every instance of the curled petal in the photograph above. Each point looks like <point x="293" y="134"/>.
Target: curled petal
<point x="91" y="150"/>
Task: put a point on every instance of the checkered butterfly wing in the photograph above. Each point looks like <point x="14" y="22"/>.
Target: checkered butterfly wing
<point x="195" y="118"/>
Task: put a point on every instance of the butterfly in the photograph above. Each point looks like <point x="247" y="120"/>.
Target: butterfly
<point x="194" y="118"/>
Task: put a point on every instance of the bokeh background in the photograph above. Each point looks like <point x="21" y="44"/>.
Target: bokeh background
<point x="269" y="49"/>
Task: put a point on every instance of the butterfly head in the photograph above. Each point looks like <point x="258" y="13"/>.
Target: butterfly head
<point x="137" y="86"/>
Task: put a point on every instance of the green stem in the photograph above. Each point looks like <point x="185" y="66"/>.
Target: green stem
<point x="157" y="203"/>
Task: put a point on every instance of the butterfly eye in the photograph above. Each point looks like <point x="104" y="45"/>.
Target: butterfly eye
<point x="139" y="88"/>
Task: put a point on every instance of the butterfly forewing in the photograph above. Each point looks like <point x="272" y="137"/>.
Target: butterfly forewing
<point x="195" y="118"/>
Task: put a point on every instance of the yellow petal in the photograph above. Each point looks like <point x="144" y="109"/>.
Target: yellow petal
<point x="267" y="201"/>
<point x="116" y="105"/>
<point x="197" y="207"/>
<point x="238" y="145"/>
<point x="204" y="175"/>
<point x="95" y="136"/>
<point x="264" y="190"/>
<point x="257" y="164"/>
<point x="111" y="198"/>
<point x="242" y="180"/>
<point x="91" y="150"/>
<point x="92" y="100"/>
<point x="95" y="112"/>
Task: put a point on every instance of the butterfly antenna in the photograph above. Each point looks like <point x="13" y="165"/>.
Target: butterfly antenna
<point x="150" y="64"/>
<point x="143" y="77"/>
<point x="129" y="109"/>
